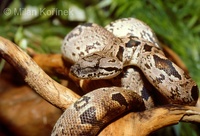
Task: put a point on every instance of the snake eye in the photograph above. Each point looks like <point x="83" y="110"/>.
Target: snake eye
<point x="195" y="93"/>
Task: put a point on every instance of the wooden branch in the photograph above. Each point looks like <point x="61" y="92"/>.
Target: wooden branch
<point x="144" y="123"/>
<point x="132" y="124"/>
<point x="50" y="90"/>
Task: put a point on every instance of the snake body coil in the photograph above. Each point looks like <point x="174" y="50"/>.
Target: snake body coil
<point x="90" y="113"/>
<point x="104" y="53"/>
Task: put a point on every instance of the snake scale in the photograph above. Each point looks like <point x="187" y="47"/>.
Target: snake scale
<point x="126" y="49"/>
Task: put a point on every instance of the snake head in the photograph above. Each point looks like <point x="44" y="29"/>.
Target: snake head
<point x="97" y="66"/>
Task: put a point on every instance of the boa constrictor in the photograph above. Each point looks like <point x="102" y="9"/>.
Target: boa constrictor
<point x="102" y="53"/>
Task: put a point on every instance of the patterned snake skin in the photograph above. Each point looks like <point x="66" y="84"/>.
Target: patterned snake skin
<point x="127" y="47"/>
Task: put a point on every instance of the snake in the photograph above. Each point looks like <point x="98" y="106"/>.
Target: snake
<point x="126" y="49"/>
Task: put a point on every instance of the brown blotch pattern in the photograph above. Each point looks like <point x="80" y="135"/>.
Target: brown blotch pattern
<point x="147" y="48"/>
<point x="147" y="66"/>
<point x="120" y="99"/>
<point x="166" y="65"/>
<point x="89" y="116"/>
<point x="132" y="43"/>
<point x="81" y="103"/>
<point x="120" y="53"/>
<point x="160" y="79"/>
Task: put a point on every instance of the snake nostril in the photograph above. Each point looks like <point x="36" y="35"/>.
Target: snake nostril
<point x="195" y="92"/>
